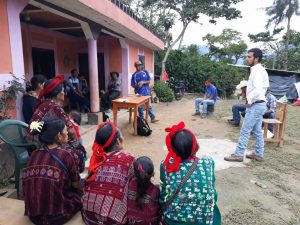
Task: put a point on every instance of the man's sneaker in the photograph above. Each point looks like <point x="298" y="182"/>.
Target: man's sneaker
<point x="230" y="120"/>
<point x="196" y="114"/>
<point x="203" y="116"/>
<point x="253" y="156"/>
<point x="234" y="158"/>
<point x="233" y="123"/>
<point x="154" y="120"/>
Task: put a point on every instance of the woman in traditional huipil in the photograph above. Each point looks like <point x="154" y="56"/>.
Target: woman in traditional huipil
<point x="51" y="181"/>
<point x="105" y="194"/>
<point x="195" y="202"/>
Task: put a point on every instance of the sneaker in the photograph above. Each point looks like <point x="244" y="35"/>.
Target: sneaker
<point x="154" y="120"/>
<point x="234" y="158"/>
<point x="253" y="156"/>
<point x="233" y="123"/>
<point x="230" y="120"/>
<point x="196" y="114"/>
<point x="203" y="116"/>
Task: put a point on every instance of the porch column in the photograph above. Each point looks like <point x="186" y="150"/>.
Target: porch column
<point x="93" y="75"/>
<point x="14" y="8"/>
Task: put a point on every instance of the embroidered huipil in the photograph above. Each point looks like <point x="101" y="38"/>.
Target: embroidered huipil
<point x="105" y="199"/>
<point x="47" y="187"/>
<point x="196" y="202"/>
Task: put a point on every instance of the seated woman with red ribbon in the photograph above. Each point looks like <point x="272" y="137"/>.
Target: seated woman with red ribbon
<point x="188" y="194"/>
<point x="48" y="106"/>
<point x="105" y="194"/>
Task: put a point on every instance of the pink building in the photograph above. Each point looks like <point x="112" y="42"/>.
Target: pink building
<point x="53" y="36"/>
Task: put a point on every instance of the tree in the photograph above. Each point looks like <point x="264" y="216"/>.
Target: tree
<point x="228" y="46"/>
<point x="190" y="10"/>
<point x="271" y="44"/>
<point x="280" y="11"/>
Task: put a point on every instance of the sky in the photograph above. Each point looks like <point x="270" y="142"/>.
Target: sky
<point x="253" y="21"/>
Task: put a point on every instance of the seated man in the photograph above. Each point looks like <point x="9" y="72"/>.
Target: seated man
<point x="114" y="91"/>
<point x="239" y="108"/>
<point x="271" y="107"/>
<point x="210" y="98"/>
<point x="74" y="92"/>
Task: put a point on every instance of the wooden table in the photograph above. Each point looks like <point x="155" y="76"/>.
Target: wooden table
<point x="131" y="102"/>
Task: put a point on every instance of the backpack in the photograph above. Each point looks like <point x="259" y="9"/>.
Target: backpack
<point x="143" y="128"/>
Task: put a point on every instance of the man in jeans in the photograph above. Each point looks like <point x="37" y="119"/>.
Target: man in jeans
<point x="210" y="98"/>
<point x="258" y="84"/>
<point x="239" y="109"/>
<point x="140" y="81"/>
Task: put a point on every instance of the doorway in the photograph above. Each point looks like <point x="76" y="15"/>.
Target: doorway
<point x="43" y="62"/>
<point x="84" y="68"/>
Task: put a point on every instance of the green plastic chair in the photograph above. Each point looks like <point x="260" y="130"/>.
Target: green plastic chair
<point x="12" y="133"/>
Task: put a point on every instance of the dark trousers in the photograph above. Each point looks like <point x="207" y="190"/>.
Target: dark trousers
<point x="236" y="110"/>
<point x="81" y="100"/>
<point x="270" y="116"/>
<point x="106" y="99"/>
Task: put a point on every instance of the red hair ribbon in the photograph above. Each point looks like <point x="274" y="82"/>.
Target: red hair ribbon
<point x="140" y="168"/>
<point x="168" y="166"/>
<point x="99" y="155"/>
<point x="50" y="87"/>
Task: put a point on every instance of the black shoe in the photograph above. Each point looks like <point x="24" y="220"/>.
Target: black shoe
<point x="230" y="120"/>
<point x="235" y="124"/>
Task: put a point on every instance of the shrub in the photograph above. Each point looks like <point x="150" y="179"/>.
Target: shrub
<point x="194" y="69"/>
<point x="163" y="91"/>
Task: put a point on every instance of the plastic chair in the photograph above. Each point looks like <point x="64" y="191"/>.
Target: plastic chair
<point x="12" y="133"/>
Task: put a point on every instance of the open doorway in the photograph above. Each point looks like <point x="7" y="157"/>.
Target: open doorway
<point x="84" y="68"/>
<point x="43" y="62"/>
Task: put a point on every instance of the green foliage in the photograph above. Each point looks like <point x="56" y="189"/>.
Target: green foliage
<point x="227" y="47"/>
<point x="194" y="69"/>
<point x="14" y="87"/>
<point x="163" y="91"/>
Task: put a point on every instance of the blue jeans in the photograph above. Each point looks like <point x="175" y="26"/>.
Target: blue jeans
<point x="205" y="102"/>
<point x="270" y="116"/>
<point x="236" y="109"/>
<point x="252" y="123"/>
<point x="141" y="112"/>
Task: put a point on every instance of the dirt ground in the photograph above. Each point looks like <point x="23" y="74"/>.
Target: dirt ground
<point x="240" y="200"/>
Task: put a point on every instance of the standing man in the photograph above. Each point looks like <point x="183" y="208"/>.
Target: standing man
<point x="210" y="98"/>
<point x="140" y="81"/>
<point x="258" y="84"/>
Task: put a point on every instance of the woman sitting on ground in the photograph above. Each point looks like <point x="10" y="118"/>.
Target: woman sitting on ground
<point x="195" y="201"/>
<point x="51" y="181"/>
<point x="31" y="97"/>
<point x="49" y="105"/>
<point x="143" y="206"/>
<point x="114" y="91"/>
<point x="105" y="195"/>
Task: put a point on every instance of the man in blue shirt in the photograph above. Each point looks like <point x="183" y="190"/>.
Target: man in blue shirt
<point x="140" y="81"/>
<point x="210" y="98"/>
<point x="271" y="108"/>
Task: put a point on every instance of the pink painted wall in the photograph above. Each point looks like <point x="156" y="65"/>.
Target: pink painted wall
<point x="134" y="51"/>
<point x="65" y="48"/>
<point x="5" y="53"/>
<point x="67" y="53"/>
<point x="111" y="11"/>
